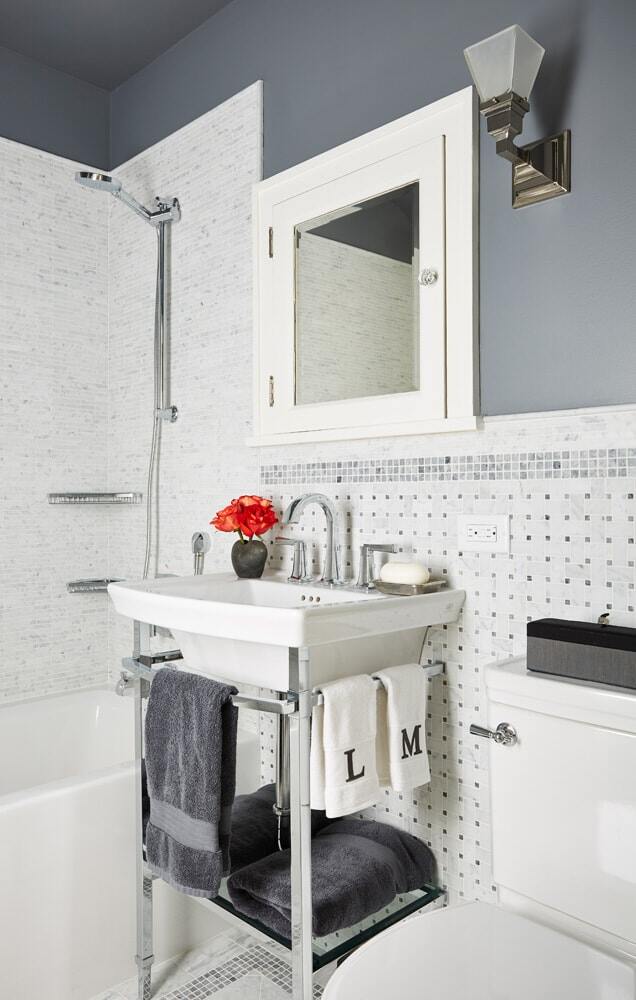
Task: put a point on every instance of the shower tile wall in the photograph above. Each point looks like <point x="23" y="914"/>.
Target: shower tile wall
<point x="53" y="377"/>
<point x="569" y="484"/>
<point x="211" y="166"/>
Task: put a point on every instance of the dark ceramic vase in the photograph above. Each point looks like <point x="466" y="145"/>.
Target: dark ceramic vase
<point x="249" y="558"/>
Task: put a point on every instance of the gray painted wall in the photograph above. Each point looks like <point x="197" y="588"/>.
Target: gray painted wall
<point x="557" y="280"/>
<point x="50" y="110"/>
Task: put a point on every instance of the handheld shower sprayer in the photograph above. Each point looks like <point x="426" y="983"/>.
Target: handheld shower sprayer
<point x="166" y="211"/>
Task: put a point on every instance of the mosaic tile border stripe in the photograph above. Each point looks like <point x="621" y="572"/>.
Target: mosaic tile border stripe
<point x="592" y="463"/>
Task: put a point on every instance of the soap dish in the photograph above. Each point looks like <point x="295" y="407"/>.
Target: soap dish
<point x="409" y="589"/>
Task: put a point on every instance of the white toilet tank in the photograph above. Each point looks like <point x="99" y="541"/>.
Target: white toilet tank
<point x="563" y="802"/>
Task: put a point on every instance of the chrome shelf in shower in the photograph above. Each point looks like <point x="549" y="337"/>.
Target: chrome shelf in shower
<point x="99" y="586"/>
<point x="121" y="498"/>
<point x="335" y="946"/>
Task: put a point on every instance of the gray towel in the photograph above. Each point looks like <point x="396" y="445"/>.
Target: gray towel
<point x="191" y="768"/>
<point x="255" y="828"/>
<point x="357" y="867"/>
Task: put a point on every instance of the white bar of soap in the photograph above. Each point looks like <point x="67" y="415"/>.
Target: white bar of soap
<point x="404" y="572"/>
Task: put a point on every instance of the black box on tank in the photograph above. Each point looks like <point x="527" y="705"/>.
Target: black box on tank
<point x="586" y="651"/>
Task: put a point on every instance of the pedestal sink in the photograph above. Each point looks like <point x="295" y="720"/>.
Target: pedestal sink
<point x="292" y="638"/>
<point x="242" y="630"/>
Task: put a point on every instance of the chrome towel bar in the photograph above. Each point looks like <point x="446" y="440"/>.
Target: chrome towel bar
<point x="143" y="667"/>
<point x="430" y="670"/>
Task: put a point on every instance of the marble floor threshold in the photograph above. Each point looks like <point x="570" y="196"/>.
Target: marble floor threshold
<point x="231" y="966"/>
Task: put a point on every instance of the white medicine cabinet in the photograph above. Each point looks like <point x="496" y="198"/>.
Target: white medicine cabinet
<point x="365" y="284"/>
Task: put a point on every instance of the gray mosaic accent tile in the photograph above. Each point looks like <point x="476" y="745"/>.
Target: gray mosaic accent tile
<point x="255" y="961"/>
<point x="592" y="463"/>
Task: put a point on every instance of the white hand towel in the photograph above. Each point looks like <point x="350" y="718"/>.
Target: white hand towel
<point x="401" y="741"/>
<point x="343" y="771"/>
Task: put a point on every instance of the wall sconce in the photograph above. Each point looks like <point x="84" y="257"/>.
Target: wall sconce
<point x="504" y="68"/>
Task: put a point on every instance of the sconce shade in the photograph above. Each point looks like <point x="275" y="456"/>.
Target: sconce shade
<point x="505" y="62"/>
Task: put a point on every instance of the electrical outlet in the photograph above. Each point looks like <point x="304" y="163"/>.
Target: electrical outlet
<point x="483" y="532"/>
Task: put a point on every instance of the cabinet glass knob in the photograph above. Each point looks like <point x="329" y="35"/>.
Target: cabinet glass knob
<point x="428" y="276"/>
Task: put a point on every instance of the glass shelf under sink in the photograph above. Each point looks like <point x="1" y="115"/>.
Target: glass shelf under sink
<point x="335" y="946"/>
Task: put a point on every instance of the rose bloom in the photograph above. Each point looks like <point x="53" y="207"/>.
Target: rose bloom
<point x="249" y="515"/>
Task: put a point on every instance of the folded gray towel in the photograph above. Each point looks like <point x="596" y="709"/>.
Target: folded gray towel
<point x="191" y="769"/>
<point x="357" y="867"/>
<point x="255" y="828"/>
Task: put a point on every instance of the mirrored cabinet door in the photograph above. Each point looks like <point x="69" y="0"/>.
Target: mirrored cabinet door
<point x="357" y="329"/>
<point x="352" y="335"/>
<point x="357" y="312"/>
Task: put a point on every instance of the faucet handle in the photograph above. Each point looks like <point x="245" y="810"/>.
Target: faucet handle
<point x="299" y="566"/>
<point x="365" y="570"/>
<point x="200" y="545"/>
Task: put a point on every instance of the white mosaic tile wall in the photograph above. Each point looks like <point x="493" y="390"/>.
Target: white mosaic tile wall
<point x="210" y="165"/>
<point x="347" y="288"/>
<point x="53" y="296"/>
<point x="573" y="509"/>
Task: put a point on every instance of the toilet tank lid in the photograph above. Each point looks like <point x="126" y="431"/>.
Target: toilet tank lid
<point x="509" y="682"/>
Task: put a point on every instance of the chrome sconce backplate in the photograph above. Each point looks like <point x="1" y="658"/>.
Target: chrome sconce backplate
<point x="540" y="170"/>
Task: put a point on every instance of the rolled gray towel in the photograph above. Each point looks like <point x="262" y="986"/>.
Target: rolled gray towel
<point x="255" y="827"/>
<point x="191" y="775"/>
<point x="357" y="867"/>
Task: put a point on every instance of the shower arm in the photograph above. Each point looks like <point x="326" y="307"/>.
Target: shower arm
<point x="166" y="211"/>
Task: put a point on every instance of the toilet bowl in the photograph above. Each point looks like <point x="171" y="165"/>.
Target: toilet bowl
<point x="479" y="951"/>
<point x="563" y="814"/>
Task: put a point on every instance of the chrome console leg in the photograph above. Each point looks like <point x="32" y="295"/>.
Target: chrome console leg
<point x="144" y="956"/>
<point x="299" y="736"/>
<point x="281" y="805"/>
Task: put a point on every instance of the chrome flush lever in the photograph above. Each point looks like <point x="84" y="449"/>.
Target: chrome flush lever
<point x="504" y="734"/>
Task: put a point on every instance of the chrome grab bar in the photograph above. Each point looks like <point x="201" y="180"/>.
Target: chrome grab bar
<point x="504" y="734"/>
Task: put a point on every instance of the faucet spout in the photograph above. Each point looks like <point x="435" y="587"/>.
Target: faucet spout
<point x="330" y="570"/>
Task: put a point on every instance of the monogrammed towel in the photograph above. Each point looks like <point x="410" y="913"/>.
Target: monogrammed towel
<point x="401" y="741"/>
<point x="344" y="778"/>
<point x="191" y="768"/>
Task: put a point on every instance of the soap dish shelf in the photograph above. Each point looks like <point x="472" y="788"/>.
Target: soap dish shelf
<point x="409" y="589"/>
<point x="94" y="498"/>
<point x="99" y="586"/>
<point x="335" y="946"/>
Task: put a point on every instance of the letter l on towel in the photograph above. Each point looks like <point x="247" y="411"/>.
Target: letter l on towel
<point x="344" y="777"/>
<point x="402" y="757"/>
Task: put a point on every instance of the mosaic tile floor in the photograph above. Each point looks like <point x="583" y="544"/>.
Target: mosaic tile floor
<point x="231" y="966"/>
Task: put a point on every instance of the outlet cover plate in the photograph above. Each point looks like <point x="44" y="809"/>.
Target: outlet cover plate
<point x="483" y="532"/>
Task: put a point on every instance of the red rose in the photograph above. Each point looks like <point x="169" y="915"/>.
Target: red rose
<point x="249" y="515"/>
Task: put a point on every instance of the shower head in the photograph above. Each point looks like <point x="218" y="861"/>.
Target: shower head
<point x="164" y="212"/>
<point x="101" y="182"/>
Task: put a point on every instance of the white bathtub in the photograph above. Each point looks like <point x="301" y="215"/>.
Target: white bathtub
<point x="67" y="858"/>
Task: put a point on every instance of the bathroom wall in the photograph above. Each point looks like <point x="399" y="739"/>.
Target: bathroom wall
<point x="557" y="290"/>
<point x="53" y="303"/>
<point x="210" y="165"/>
<point x="568" y="483"/>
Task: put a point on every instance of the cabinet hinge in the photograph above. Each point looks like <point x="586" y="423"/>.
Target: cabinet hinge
<point x="271" y="241"/>
<point x="271" y="390"/>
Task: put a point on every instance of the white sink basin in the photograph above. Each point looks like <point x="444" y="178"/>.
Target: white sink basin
<point x="241" y="629"/>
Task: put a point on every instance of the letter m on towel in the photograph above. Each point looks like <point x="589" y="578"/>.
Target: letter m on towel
<point x="411" y="747"/>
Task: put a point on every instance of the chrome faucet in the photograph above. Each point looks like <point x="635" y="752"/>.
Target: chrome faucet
<point x="330" y="570"/>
